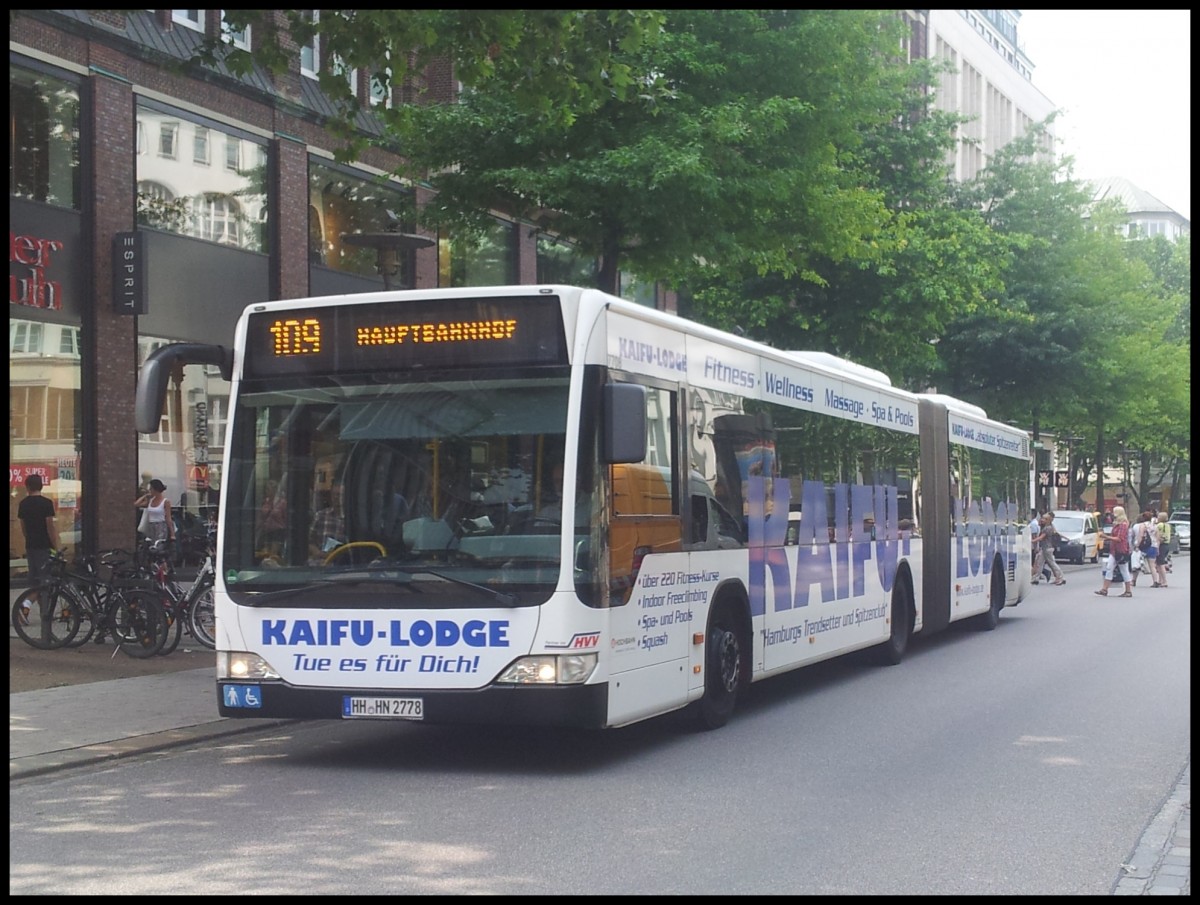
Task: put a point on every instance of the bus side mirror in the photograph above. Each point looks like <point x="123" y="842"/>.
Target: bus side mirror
<point x="624" y="423"/>
<point x="156" y="374"/>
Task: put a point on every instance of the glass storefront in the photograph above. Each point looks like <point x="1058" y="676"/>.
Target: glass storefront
<point x="489" y="259"/>
<point x="186" y="453"/>
<point x="197" y="179"/>
<point x="339" y="204"/>
<point x="44" y="425"/>
<point x="45" y="292"/>
<point x="43" y="137"/>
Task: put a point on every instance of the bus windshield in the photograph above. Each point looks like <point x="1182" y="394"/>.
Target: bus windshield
<point x="451" y="488"/>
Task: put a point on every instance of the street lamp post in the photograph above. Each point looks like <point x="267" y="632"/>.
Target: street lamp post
<point x="1125" y="451"/>
<point x="387" y="247"/>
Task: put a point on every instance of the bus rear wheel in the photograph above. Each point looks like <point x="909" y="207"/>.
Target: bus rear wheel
<point x="725" y="653"/>
<point x="991" y="619"/>
<point x="892" y="651"/>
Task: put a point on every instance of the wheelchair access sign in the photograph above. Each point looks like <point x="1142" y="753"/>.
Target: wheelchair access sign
<point x="242" y="696"/>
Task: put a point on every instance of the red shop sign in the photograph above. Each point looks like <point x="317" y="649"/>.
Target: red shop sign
<point x="18" y="473"/>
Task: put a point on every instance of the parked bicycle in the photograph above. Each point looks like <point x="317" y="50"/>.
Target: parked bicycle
<point x="70" y="606"/>
<point x="189" y="609"/>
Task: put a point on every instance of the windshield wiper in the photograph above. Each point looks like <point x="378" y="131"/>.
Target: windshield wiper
<point x="501" y="597"/>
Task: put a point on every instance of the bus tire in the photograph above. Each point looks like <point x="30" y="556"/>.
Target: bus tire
<point x="892" y="651"/>
<point x="726" y="658"/>
<point x="989" y="620"/>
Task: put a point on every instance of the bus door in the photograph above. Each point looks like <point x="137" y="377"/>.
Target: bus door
<point x="650" y="639"/>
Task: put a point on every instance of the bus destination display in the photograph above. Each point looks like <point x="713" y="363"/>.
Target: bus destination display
<point x="395" y="335"/>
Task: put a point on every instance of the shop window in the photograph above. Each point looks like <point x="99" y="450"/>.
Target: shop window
<point x="342" y="203"/>
<point x="561" y="262"/>
<point x="226" y="203"/>
<point x="486" y="260"/>
<point x="43" y="127"/>
<point x="44" y="424"/>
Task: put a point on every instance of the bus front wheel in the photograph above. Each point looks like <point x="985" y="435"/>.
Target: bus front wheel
<point x="725" y="659"/>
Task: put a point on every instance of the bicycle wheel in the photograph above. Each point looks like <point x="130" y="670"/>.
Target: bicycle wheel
<point x="202" y="619"/>
<point x="137" y="624"/>
<point x="46" y="619"/>
<point x="89" y="624"/>
<point x="175" y="616"/>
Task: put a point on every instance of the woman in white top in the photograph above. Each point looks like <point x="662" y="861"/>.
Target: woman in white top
<point x="156" y="523"/>
<point x="1141" y="560"/>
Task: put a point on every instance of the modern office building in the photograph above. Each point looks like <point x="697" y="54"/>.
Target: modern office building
<point x="991" y="81"/>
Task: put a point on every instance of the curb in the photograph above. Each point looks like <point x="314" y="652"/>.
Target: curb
<point x="56" y="761"/>
<point x="1161" y="864"/>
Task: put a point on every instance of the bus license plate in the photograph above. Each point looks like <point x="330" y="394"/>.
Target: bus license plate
<point x="382" y="708"/>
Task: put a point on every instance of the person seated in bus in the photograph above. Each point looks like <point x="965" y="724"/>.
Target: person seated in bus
<point x="328" y="530"/>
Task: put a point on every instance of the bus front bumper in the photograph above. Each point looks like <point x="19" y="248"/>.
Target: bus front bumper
<point x="580" y="706"/>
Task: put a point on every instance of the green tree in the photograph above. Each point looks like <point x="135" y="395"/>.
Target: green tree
<point x="924" y="262"/>
<point x="734" y="159"/>
<point x="678" y="140"/>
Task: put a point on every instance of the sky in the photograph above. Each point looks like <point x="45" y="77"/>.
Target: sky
<point x="1122" y="80"/>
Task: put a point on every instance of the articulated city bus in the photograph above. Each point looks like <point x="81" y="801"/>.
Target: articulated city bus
<point x="547" y="505"/>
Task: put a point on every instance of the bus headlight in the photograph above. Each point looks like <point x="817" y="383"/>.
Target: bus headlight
<point x="550" y="669"/>
<point x="240" y="665"/>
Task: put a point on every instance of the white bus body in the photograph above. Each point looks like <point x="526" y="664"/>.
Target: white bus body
<point x="447" y="420"/>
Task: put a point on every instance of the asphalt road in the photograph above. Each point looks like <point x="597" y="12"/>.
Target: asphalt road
<point x="1023" y="761"/>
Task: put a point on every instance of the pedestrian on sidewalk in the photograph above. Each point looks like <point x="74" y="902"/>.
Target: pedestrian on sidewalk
<point x="1162" y="562"/>
<point x="1118" y="554"/>
<point x="156" y="523"/>
<point x="1046" y="540"/>
<point x="36" y="513"/>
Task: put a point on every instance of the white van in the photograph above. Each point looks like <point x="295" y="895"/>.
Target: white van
<point x="1078" y="533"/>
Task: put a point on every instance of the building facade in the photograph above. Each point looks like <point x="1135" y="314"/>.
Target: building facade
<point x="991" y="82"/>
<point x="150" y="203"/>
<point x="1146" y="216"/>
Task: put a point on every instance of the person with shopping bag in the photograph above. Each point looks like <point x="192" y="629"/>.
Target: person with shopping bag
<point x="1119" y="554"/>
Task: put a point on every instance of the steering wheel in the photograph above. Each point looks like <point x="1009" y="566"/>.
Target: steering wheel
<point x="342" y="548"/>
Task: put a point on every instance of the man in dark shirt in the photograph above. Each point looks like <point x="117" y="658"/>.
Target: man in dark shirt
<point x="37" y="524"/>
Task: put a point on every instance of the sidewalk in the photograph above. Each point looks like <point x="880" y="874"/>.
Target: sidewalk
<point x="104" y="706"/>
<point x="55" y="728"/>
